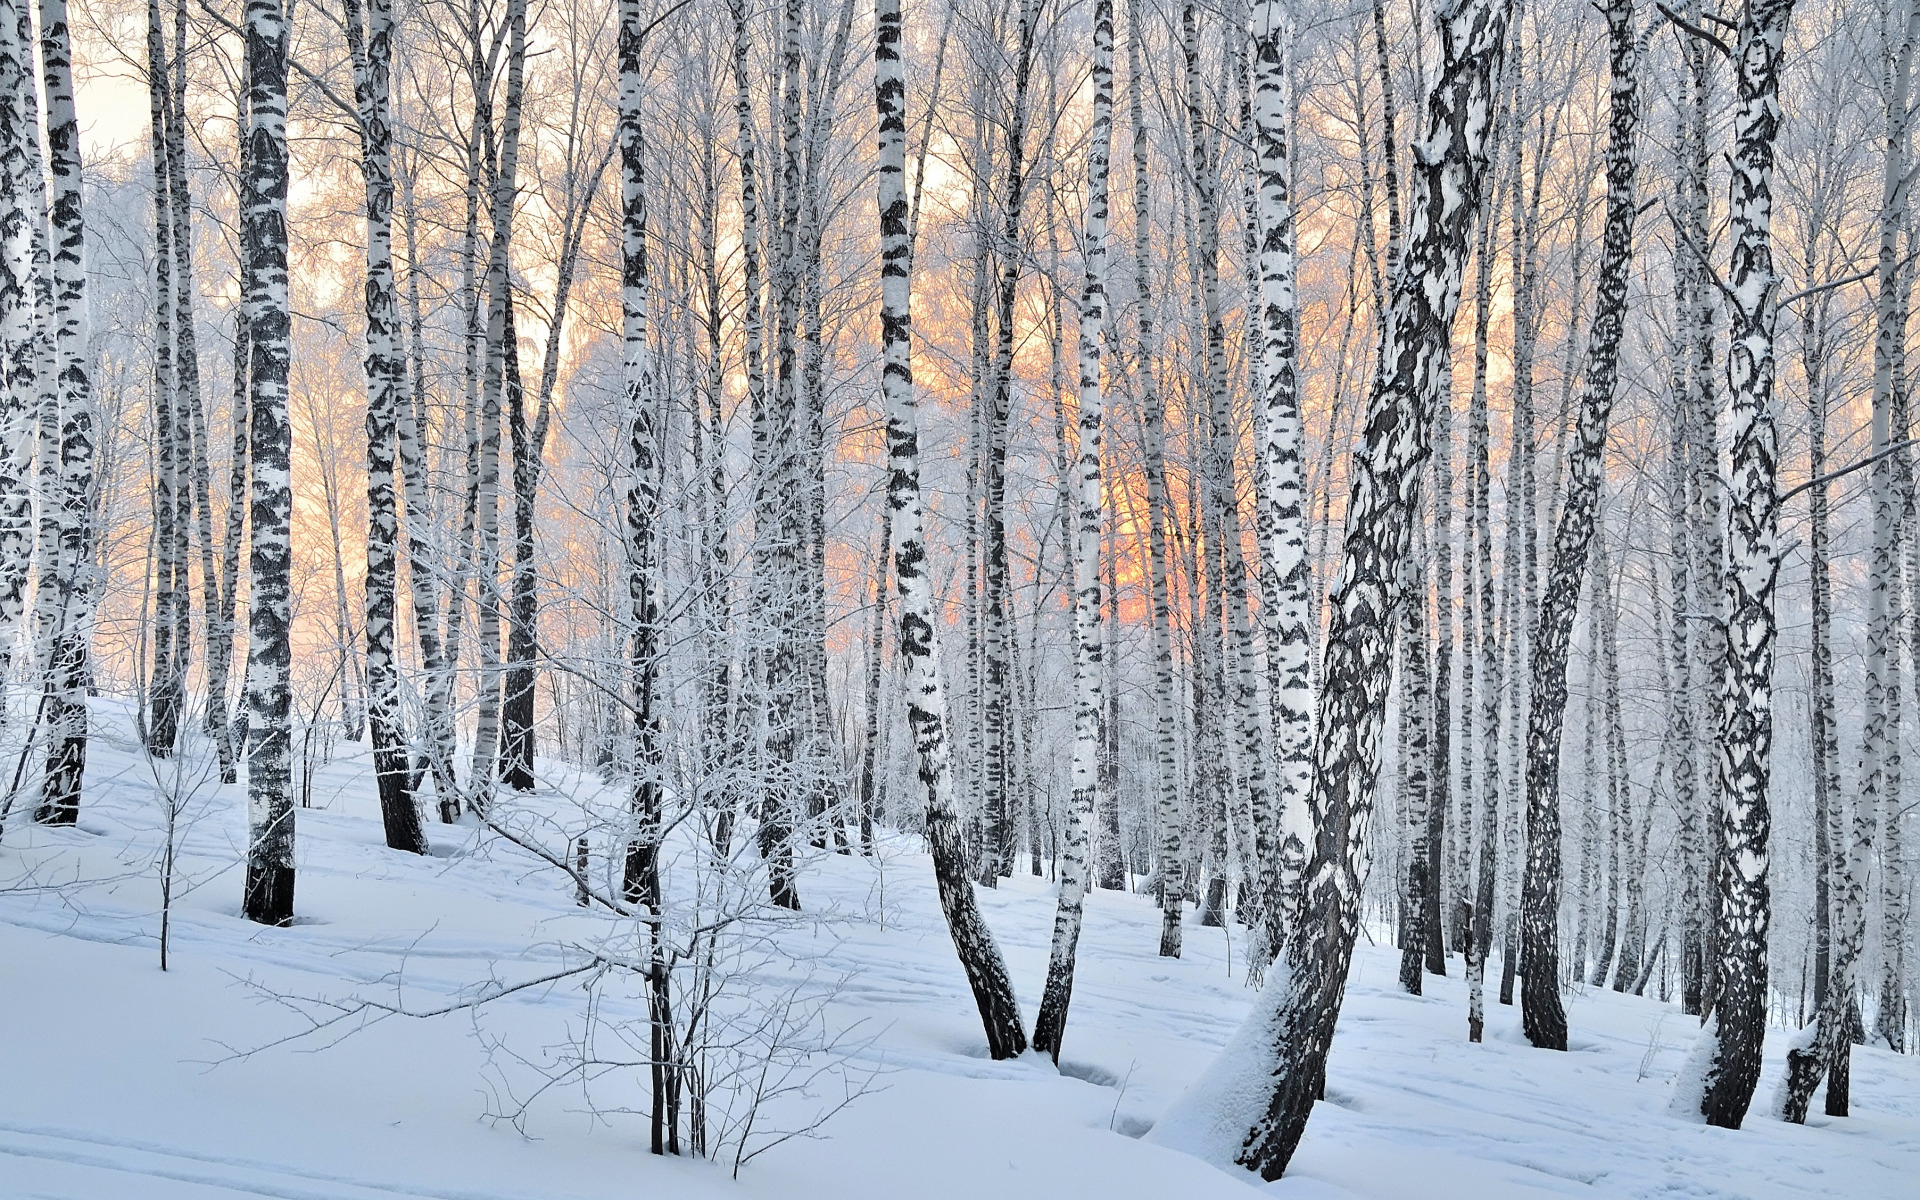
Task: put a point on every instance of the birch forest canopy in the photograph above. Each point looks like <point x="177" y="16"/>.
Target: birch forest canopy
<point x="1428" y="473"/>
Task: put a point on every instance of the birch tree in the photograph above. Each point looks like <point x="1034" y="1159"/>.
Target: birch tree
<point x="1826" y="1047"/>
<point x="1543" y="1016"/>
<point x="1049" y="1027"/>
<point x="917" y="638"/>
<point x="64" y="604"/>
<point x="268" y="896"/>
<point x="1284" y="570"/>
<point x="1744" y="911"/>
<point x="370" y="44"/>
<point x="22" y="209"/>
<point x="1292" y="1025"/>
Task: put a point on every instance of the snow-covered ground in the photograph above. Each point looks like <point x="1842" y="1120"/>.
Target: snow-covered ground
<point x="119" y="1081"/>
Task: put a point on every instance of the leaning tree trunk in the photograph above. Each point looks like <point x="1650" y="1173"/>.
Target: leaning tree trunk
<point x="1744" y="906"/>
<point x="1050" y="1026"/>
<point x="268" y="898"/>
<point x="370" y="44"/>
<point x="1541" y="1013"/>
<point x="1291" y="1028"/>
<point x="917" y="639"/>
<point x="68" y="619"/>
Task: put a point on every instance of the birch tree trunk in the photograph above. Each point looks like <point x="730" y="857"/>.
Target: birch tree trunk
<point x="1049" y="1027"/>
<point x="166" y="687"/>
<point x="423" y="582"/>
<point x="997" y="818"/>
<point x="1617" y="781"/>
<point x="22" y="209"/>
<point x="222" y="625"/>
<point x="1292" y="1025"/>
<point x="370" y="44"/>
<point x="917" y="637"/>
<point x="1828" y="1052"/>
<point x="1544" y="1018"/>
<point x="67" y="610"/>
<point x="1167" y="806"/>
<point x="778" y="532"/>
<point x="1744" y="911"/>
<point x="268" y="898"/>
<point x="486" y="736"/>
<point x="641" y="879"/>
<point x="1285" y="607"/>
<point x="194" y="502"/>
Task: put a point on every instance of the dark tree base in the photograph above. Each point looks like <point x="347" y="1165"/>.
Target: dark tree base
<point x="1541" y="1013"/>
<point x="269" y="894"/>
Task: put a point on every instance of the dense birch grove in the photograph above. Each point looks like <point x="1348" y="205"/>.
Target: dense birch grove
<point x="1434" y="472"/>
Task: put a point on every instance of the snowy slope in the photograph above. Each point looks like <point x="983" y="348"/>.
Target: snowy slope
<point x="121" y="1081"/>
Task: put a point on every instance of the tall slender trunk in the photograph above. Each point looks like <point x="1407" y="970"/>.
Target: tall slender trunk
<point x="1541" y="1011"/>
<point x="222" y="625"/>
<point x="1617" y="782"/>
<point x="1744" y="909"/>
<point x="1416" y="714"/>
<point x="1285" y="571"/>
<point x="194" y="500"/>
<point x="1167" y="806"/>
<point x="641" y="881"/>
<point x="66" y="613"/>
<point x="754" y="338"/>
<point x="778" y="528"/>
<point x="370" y="45"/>
<point x="1823" y="737"/>
<point x="1475" y="918"/>
<point x="423" y="582"/>
<point x="166" y="689"/>
<point x="917" y="637"/>
<point x="268" y="897"/>
<point x="997" y="817"/>
<point x="1049" y="1027"/>
<point x="1709" y="642"/>
<point x="22" y="209"/>
<point x="486" y="736"/>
